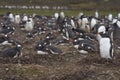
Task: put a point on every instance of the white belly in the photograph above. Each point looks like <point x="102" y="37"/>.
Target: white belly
<point x="105" y="48"/>
<point x="29" y="26"/>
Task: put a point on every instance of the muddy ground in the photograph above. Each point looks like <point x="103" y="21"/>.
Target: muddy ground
<point x="68" y="66"/>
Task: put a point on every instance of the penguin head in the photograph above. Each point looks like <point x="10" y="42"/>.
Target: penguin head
<point x="101" y="29"/>
<point x="19" y="48"/>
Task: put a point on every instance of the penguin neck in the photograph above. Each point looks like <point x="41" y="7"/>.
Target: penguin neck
<point x="102" y="35"/>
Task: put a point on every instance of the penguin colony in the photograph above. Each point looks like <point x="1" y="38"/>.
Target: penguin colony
<point x="84" y="33"/>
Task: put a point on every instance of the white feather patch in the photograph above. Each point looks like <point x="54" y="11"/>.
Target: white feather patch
<point x="96" y="14"/>
<point x="6" y="43"/>
<point x="56" y="15"/>
<point x="83" y="51"/>
<point x="110" y="17"/>
<point x="41" y="52"/>
<point x="101" y="29"/>
<point x="93" y="22"/>
<point x="17" y="19"/>
<point x="76" y="46"/>
<point x="29" y="26"/>
<point x="105" y="48"/>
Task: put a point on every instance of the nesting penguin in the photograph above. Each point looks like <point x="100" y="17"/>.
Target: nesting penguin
<point x="84" y="46"/>
<point x="12" y="52"/>
<point x="53" y="49"/>
<point x="41" y="46"/>
<point x="8" y="29"/>
<point x="4" y="40"/>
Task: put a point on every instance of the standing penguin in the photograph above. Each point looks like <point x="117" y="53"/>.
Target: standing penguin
<point x="96" y="14"/>
<point x="11" y="17"/>
<point x="118" y="15"/>
<point x="116" y="33"/>
<point x="29" y="25"/>
<point x="110" y="17"/>
<point x="25" y="18"/>
<point x="93" y="23"/>
<point x="105" y="45"/>
<point x="56" y="15"/>
<point x="85" y="24"/>
<point x="17" y="19"/>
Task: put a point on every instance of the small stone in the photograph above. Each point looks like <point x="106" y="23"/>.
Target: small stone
<point x="6" y="69"/>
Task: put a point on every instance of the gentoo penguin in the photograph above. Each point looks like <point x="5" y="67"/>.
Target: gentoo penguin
<point x="62" y="15"/>
<point x="73" y="24"/>
<point x="11" y="17"/>
<point x="4" y="40"/>
<point x="105" y="44"/>
<point x="80" y="14"/>
<point x="116" y="33"/>
<point x="56" y="15"/>
<point x="7" y="30"/>
<point x="53" y="49"/>
<point x="60" y="19"/>
<point x="101" y="29"/>
<point x="25" y="18"/>
<point x="29" y="26"/>
<point x="84" y="46"/>
<point x="118" y="16"/>
<point x="84" y="24"/>
<point x="41" y="49"/>
<point x="106" y="47"/>
<point x="50" y="36"/>
<point x="68" y="33"/>
<point x="96" y="14"/>
<point x="12" y="52"/>
<point x="41" y="46"/>
<point x="110" y="17"/>
<point x="93" y="23"/>
<point x="60" y="41"/>
<point x="29" y="36"/>
<point x="17" y="19"/>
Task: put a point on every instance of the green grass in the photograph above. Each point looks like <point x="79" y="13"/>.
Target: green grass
<point x="51" y="12"/>
<point x="71" y="4"/>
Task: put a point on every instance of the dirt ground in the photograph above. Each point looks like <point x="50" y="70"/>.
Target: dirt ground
<point x="69" y="66"/>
